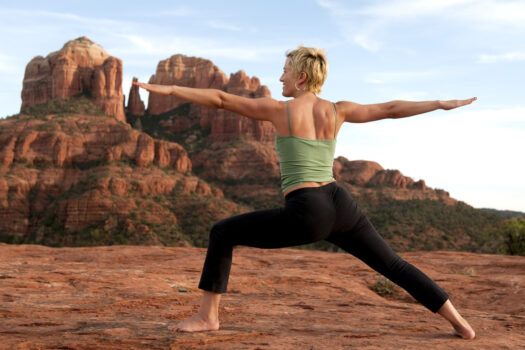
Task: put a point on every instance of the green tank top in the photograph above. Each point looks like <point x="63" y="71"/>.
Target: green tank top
<point x="302" y="160"/>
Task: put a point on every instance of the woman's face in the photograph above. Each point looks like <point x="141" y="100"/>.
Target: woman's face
<point x="288" y="79"/>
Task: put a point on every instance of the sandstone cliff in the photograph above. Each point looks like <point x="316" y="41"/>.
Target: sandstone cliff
<point x="75" y="172"/>
<point x="201" y="73"/>
<point x="184" y="71"/>
<point x="78" y="141"/>
<point x="80" y="67"/>
<point x="371" y="175"/>
<point x="223" y="146"/>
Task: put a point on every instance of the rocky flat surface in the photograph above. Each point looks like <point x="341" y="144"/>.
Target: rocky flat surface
<point x="125" y="297"/>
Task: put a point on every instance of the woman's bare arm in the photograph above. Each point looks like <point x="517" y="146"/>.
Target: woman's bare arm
<point x="253" y="108"/>
<point x="356" y="113"/>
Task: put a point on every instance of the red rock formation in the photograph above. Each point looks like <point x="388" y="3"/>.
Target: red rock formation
<point x="201" y="73"/>
<point x="77" y="140"/>
<point x="362" y="172"/>
<point x="247" y="160"/>
<point x="184" y="71"/>
<point x="392" y="178"/>
<point x="240" y="82"/>
<point x="391" y="182"/>
<point x="81" y="66"/>
<point x="135" y="104"/>
<point x="239" y="147"/>
<point x="45" y="158"/>
<point x="357" y="172"/>
<point x="125" y="297"/>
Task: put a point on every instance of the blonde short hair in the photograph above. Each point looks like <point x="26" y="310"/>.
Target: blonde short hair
<point x="313" y="62"/>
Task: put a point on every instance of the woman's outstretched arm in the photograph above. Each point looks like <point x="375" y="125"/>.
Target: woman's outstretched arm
<point x="356" y="113"/>
<point x="254" y="108"/>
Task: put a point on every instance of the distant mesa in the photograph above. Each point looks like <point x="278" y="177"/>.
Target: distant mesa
<point x="222" y="125"/>
<point x="371" y="174"/>
<point x="362" y="173"/>
<point x="198" y="73"/>
<point x="80" y="67"/>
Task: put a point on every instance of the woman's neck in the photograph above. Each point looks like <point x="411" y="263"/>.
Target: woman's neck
<point x="303" y="94"/>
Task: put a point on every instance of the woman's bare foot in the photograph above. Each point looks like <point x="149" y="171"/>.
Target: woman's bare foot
<point x="464" y="331"/>
<point x="206" y="319"/>
<point x="462" y="328"/>
<point x="196" y="323"/>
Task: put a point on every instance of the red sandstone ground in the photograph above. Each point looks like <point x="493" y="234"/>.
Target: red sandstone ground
<point x="124" y="297"/>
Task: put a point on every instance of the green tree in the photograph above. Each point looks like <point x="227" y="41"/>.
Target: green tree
<point x="514" y="236"/>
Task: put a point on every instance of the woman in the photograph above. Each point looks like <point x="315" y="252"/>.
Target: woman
<point x="316" y="208"/>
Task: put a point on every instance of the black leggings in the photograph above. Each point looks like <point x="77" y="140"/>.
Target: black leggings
<point x="312" y="214"/>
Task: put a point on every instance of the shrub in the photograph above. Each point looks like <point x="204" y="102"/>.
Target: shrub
<point x="383" y="286"/>
<point x="79" y="104"/>
<point x="513" y="232"/>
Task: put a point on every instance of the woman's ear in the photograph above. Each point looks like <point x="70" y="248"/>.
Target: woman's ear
<point x="302" y="77"/>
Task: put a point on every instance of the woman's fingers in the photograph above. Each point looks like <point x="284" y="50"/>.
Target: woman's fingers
<point x="457" y="103"/>
<point x="145" y="86"/>
<point x="140" y="85"/>
<point x="467" y="102"/>
<point x="470" y="100"/>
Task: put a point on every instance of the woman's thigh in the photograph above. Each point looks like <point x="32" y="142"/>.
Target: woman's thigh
<point x="262" y="229"/>
<point x="348" y="212"/>
<point x="305" y="219"/>
<point x="364" y="242"/>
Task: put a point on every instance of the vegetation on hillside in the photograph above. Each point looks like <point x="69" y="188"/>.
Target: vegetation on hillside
<point x="405" y="224"/>
<point x="192" y="139"/>
<point x="507" y="237"/>
<point x="80" y="104"/>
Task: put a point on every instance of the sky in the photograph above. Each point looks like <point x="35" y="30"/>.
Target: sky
<point x="378" y="51"/>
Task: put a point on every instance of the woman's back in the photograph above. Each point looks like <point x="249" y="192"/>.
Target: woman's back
<point x="310" y="118"/>
<point x="306" y="154"/>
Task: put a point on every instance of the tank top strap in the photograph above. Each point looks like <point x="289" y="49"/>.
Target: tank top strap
<point x="335" y="116"/>
<point x="288" y="117"/>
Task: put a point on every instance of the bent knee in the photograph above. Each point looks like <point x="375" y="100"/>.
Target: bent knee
<point x="217" y="229"/>
<point x="221" y="231"/>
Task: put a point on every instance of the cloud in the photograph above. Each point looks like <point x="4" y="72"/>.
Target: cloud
<point x="222" y="25"/>
<point x="366" y="42"/>
<point x="142" y="44"/>
<point x="455" y="150"/>
<point x="486" y="11"/>
<point x="64" y="16"/>
<point x="181" y="11"/>
<point x="369" y="25"/>
<point x="390" y="77"/>
<point x="505" y="57"/>
<point x="402" y="9"/>
<point x="502" y="13"/>
<point x="163" y="46"/>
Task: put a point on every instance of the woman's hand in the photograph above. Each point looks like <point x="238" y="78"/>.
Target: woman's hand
<point x="155" y="88"/>
<point x="451" y="104"/>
